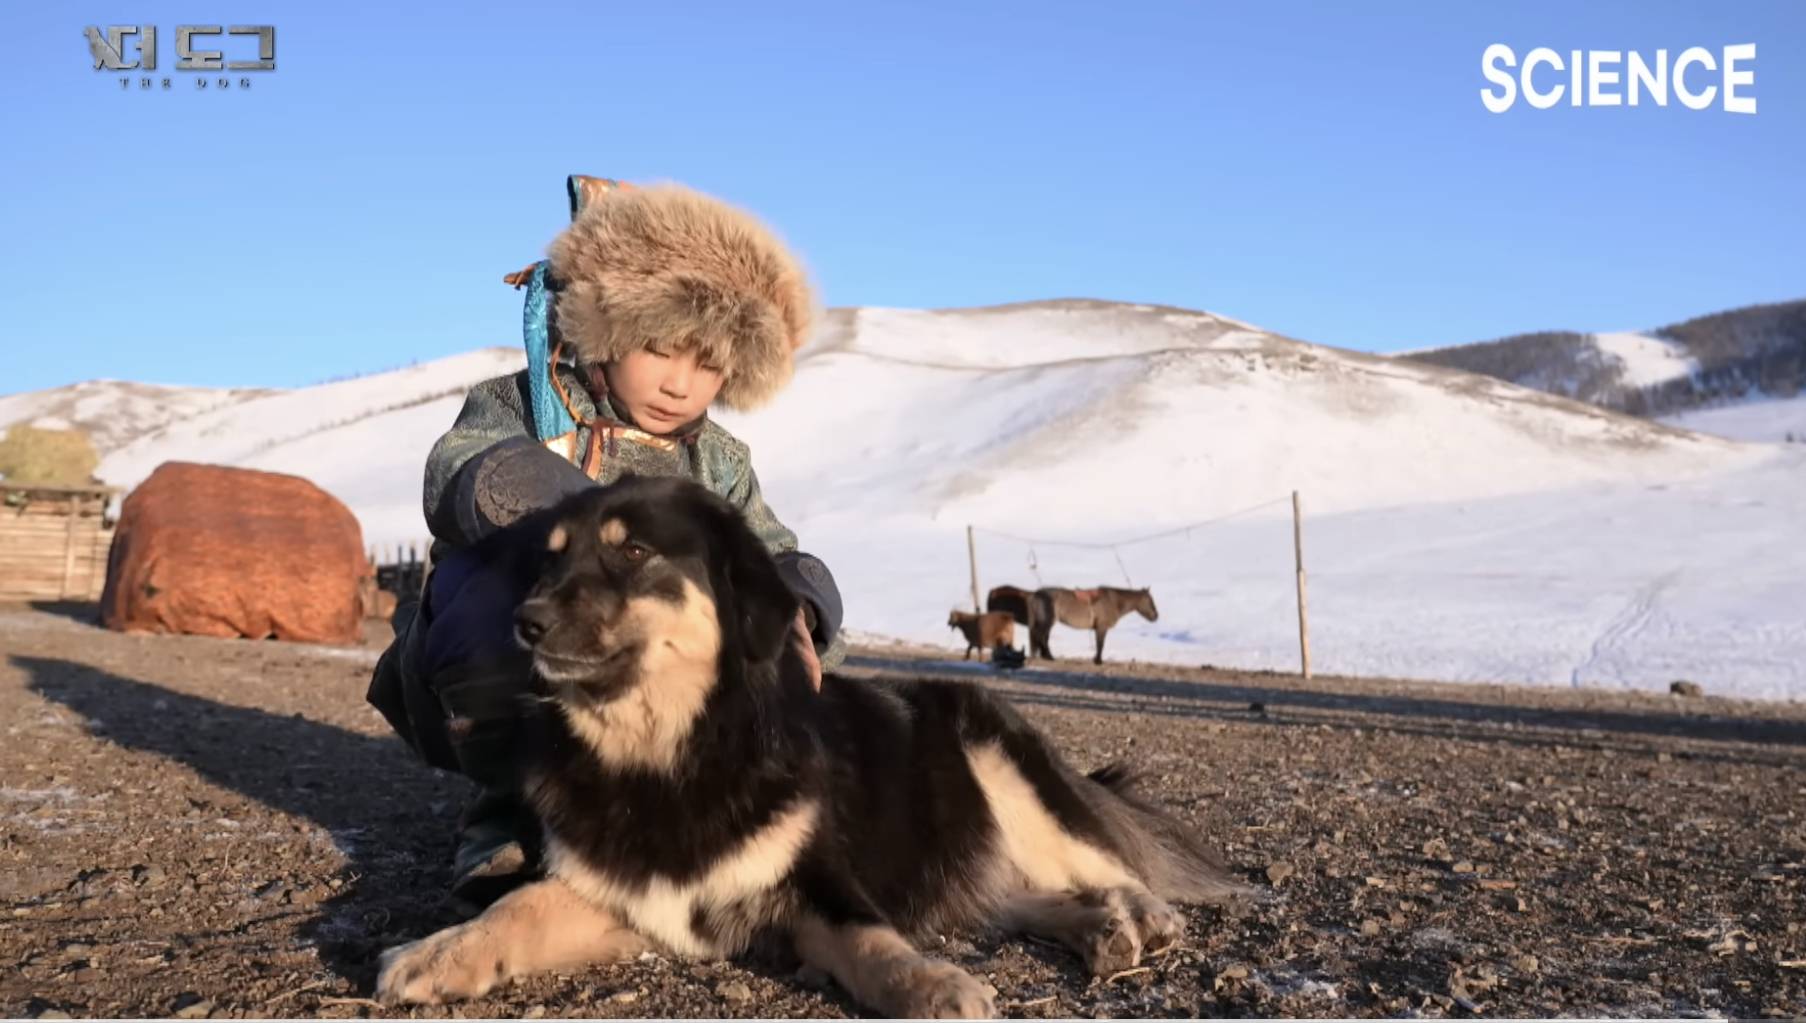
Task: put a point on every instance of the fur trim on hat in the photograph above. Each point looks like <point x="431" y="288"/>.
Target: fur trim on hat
<point x="665" y="265"/>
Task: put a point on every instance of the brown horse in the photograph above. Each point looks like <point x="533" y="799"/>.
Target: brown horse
<point x="983" y="631"/>
<point x="1098" y="610"/>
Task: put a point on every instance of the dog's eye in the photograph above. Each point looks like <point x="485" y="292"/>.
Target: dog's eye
<point x="635" y="552"/>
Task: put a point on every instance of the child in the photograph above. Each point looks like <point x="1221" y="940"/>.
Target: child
<point x="665" y="302"/>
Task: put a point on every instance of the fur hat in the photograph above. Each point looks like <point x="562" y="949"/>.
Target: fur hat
<point x="665" y="265"/>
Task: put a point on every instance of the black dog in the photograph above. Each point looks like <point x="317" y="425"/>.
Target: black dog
<point x="695" y="790"/>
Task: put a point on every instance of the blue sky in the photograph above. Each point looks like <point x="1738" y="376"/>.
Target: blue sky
<point x="1323" y="170"/>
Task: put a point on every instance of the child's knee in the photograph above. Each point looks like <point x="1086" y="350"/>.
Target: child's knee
<point x="469" y="615"/>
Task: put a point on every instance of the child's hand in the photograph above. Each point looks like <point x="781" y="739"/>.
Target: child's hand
<point x="806" y="645"/>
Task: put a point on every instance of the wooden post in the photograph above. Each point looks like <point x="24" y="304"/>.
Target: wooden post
<point x="1304" y="626"/>
<point x="75" y="509"/>
<point x="972" y="560"/>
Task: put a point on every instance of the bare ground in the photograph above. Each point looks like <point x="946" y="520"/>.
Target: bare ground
<point x="197" y="827"/>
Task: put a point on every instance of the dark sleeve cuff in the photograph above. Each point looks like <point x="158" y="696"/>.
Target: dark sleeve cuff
<point x="813" y="584"/>
<point x="502" y="483"/>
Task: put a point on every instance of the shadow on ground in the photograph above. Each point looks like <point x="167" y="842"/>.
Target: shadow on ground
<point x="369" y="793"/>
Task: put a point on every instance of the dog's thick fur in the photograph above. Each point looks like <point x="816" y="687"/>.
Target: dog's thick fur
<point x="664" y="266"/>
<point x="696" y="791"/>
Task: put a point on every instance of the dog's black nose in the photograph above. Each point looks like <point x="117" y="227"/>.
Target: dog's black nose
<point x="532" y="620"/>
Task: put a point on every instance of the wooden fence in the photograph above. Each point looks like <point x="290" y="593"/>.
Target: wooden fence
<point x="53" y="541"/>
<point x="401" y="569"/>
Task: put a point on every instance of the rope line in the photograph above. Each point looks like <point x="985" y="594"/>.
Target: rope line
<point x="1175" y="531"/>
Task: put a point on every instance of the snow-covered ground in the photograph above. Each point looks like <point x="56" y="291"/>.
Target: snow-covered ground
<point x="1613" y="584"/>
<point x="1456" y="526"/>
<point x="1757" y="419"/>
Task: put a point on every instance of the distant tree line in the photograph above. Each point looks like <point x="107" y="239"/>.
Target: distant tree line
<point x="1755" y="350"/>
<point x="1758" y="349"/>
<point x="1557" y="361"/>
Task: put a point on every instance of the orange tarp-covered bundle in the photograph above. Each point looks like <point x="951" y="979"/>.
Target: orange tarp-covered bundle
<point x="210" y="550"/>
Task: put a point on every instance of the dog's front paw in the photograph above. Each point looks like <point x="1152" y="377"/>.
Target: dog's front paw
<point x="1131" y="924"/>
<point x="937" y="990"/>
<point x="1157" y="923"/>
<point x="1112" y="947"/>
<point x="443" y="967"/>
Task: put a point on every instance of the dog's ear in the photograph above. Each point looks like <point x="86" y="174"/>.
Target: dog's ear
<point x="752" y="597"/>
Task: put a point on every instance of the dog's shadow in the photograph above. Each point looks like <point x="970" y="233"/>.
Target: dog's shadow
<point x="392" y="817"/>
<point x="388" y="814"/>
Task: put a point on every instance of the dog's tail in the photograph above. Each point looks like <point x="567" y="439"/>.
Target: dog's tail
<point x="1168" y="856"/>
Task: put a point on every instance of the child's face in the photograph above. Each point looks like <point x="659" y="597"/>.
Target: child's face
<point x="662" y="389"/>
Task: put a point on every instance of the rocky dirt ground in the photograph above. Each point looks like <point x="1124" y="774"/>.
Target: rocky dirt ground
<point x="202" y="828"/>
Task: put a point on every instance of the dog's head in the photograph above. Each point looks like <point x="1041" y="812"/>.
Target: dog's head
<point x="650" y="586"/>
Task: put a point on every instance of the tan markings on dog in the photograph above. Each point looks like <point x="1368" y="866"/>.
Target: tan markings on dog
<point x="882" y="970"/>
<point x="558" y="539"/>
<point x="647" y="725"/>
<point x="541" y="926"/>
<point x="614" y="532"/>
<point x="662" y="909"/>
<point x="1030" y="839"/>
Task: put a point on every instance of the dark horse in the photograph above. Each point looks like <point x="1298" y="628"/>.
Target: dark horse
<point x="1098" y="610"/>
<point x="1014" y="601"/>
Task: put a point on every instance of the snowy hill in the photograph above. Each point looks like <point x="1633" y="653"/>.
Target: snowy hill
<point x="1457" y="526"/>
<point x="363" y="439"/>
<point x="1074" y="414"/>
<point x="1644" y="361"/>
<point x="114" y="412"/>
